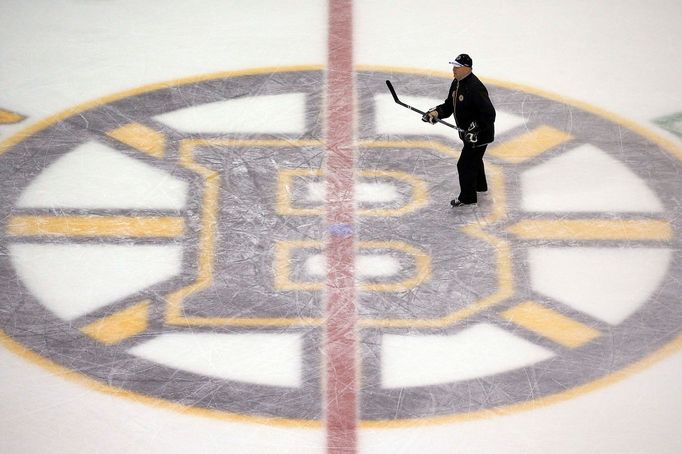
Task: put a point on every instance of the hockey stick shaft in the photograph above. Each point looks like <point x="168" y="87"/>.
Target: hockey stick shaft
<point x="398" y="101"/>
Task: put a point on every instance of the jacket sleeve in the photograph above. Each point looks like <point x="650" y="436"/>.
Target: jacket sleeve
<point x="485" y="112"/>
<point x="447" y="108"/>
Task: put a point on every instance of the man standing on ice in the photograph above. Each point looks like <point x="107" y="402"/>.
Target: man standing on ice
<point x="475" y="117"/>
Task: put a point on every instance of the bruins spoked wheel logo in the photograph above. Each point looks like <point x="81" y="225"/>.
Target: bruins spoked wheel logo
<point x="168" y="243"/>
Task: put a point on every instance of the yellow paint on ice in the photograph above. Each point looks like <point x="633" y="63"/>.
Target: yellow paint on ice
<point x="119" y="326"/>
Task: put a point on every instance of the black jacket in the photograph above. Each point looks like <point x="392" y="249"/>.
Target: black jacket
<point x="468" y="99"/>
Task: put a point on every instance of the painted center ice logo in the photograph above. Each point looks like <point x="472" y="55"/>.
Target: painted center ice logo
<point x="168" y="243"/>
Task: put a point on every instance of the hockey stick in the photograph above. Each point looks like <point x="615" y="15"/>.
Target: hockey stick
<point x="398" y="101"/>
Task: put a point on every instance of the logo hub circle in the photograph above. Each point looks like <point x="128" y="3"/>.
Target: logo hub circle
<point x="204" y="235"/>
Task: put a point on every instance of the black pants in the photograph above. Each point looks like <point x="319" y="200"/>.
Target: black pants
<point x="471" y="173"/>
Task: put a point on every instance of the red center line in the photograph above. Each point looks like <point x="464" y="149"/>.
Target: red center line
<point x="341" y="403"/>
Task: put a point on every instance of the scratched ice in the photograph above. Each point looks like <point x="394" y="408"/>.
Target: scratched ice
<point x="220" y="233"/>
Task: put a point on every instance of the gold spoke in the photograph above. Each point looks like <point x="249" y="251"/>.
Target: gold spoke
<point x="550" y="324"/>
<point x="530" y="144"/>
<point x="119" y="326"/>
<point x="592" y="229"/>
<point x="97" y="226"/>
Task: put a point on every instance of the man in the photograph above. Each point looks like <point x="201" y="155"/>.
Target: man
<point x="475" y="117"/>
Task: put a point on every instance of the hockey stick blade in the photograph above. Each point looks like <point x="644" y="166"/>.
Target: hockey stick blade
<point x="395" y="98"/>
<point x="393" y="93"/>
<point x="398" y="101"/>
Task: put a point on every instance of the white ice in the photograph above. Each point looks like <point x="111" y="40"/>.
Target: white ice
<point x="622" y="57"/>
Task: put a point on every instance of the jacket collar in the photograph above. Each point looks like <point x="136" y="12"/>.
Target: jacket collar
<point x="468" y="78"/>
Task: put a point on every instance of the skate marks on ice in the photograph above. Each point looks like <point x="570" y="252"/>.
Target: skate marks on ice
<point x="168" y="244"/>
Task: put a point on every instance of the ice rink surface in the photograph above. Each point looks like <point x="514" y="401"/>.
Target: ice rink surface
<point x="218" y="232"/>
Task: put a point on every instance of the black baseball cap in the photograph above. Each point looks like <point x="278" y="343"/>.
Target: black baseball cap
<point x="462" y="60"/>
